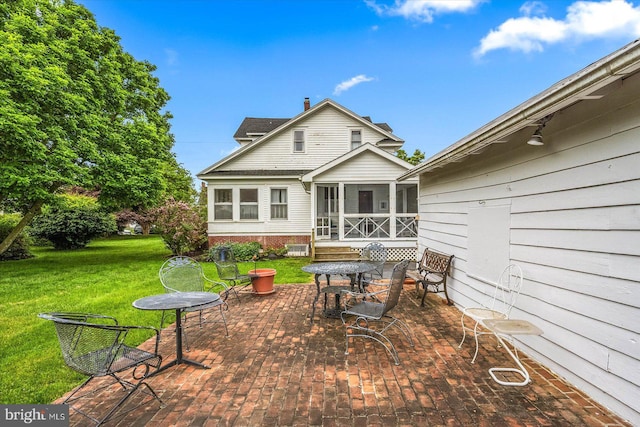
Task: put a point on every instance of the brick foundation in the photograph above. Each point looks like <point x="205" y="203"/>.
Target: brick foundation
<point x="265" y="241"/>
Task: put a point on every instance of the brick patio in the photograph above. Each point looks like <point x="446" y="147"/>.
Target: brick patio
<point x="275" y="369"/>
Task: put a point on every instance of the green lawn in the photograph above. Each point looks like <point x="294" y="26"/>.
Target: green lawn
<point x="106" y="277"/>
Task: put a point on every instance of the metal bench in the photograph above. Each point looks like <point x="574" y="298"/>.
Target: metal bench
<point x="431" y="274"/>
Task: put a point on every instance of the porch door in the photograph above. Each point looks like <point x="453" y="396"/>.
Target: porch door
<point x="327" y="212"/>
<point x="365" y="206"/>
<point x="365" y="202"/>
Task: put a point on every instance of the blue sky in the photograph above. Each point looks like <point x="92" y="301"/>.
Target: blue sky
<point x="434" y="70"/>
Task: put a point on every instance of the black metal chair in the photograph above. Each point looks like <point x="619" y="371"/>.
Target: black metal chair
<point x="376" y="253"/>
<point x="184" y="274"/>
<point x="227" y="268"/>
<point x="94" y="345"/>
<point x="372" y="308"/>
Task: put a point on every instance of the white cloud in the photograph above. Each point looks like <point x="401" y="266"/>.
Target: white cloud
<point x="584" y="20"/>
<point x="533" y="8"/>
<point x="348" y="84"/>
<point x="171" y="56"/>
<point x="423" y="10"/>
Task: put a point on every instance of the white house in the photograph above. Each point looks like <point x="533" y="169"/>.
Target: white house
<point x="326" y="176"/>
<point x="567" y="211"/>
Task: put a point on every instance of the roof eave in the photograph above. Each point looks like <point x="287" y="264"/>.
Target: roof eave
<point x="577" y="87"/>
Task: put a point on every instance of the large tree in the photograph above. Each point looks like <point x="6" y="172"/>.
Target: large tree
<point x="75" y="110"/>
<point x="415" y="159"/>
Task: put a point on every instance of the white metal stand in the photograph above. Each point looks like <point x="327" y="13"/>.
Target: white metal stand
<point x="507" y="328"/>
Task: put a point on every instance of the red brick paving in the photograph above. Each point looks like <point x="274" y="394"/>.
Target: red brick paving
<point x="275" y="369"/>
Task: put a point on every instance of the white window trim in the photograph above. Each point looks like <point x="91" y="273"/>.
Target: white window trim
<point x="240" y="204"/>
<point x="222" y="204"/>
<point x="279" y="204"/>
<point x="351" y="130"/>
<point x="304" y="141"/>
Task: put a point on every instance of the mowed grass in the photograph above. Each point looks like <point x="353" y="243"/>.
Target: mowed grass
<point x="105" y="277"/>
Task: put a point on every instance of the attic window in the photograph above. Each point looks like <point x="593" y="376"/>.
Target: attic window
<point x="298" y="141"/>
<point x="356" y="139"/>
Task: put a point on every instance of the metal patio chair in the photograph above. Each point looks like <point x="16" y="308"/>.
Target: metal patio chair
<point x="376" y="253"/>
<point x="499" y="306"/>
<point x="184" y="274"/>
<point x="369" y="313"/>
<point x="227" y="268"/>
<point x="94" y="345"/>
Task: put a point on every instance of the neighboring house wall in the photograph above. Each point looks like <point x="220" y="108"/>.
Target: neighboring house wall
<point x="569" y="214"/>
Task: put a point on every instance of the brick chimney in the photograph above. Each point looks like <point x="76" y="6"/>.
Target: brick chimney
<point x="307" y="104"/>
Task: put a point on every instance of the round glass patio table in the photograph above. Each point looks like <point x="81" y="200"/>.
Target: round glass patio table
<point x="177" y="301"/>
<point x="353" y="269"/>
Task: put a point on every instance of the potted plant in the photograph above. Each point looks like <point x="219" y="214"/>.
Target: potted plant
<point x="262" y="279"/>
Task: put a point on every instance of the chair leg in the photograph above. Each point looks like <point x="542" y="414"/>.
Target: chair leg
<point x="475" y="334"/>
<point x="367" y="332"/>
<point x="224" y="321"/>
<point x="225" y="294"/>
<point x="129" y="389"/>
<point x="128" y="394"/>
<point x="464" y="332"/>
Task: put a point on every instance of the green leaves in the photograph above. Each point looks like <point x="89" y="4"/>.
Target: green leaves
<point x="74" y="105"/>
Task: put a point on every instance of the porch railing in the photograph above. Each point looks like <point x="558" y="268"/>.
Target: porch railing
<point x="379" y="226"/>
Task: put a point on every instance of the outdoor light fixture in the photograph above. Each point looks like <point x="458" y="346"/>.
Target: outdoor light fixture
<point x="536" y="138"/>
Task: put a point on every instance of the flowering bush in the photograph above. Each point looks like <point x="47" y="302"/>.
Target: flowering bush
<point x="182" y="227"/>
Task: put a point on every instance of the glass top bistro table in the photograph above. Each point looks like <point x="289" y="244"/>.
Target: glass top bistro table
<point x="353" y="269"/>
<point x="177" y="301"/>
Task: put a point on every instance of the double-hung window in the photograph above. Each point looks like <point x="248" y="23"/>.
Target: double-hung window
<point x="248" y="203"/>
<point x="298" y="141"/>
<point x="223" y="204"/>
<point x="356" y="139"/>
<point x="279" y="209"/>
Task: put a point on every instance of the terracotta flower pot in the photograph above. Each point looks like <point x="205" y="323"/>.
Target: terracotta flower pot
<point x="262" y="280"/>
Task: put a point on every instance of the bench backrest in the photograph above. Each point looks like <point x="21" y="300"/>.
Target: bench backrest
<point x="435" y="262"/>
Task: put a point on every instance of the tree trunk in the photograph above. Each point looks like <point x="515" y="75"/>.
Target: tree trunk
<point x="26" y="220"/>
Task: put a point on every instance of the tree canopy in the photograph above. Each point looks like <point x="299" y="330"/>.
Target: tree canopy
<point x="76" y="110"/>
<point x="416" y="158"/>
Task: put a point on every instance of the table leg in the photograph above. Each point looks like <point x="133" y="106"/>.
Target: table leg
<point x="179" y="358"/>
<point x="315" y="300"/>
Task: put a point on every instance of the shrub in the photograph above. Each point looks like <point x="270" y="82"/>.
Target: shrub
<point x="19" y="249"/>
<point x="182" y="227"/>
<point x="73" y="222"/>
<point x="241" y="251"/>
<point x="273" y="252"/>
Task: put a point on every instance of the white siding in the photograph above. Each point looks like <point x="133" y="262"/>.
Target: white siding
<point x="298" y="210"/>
<point x="367" y="167"/>
<point x="574" y="228"/>
<point x="327" y="137"/>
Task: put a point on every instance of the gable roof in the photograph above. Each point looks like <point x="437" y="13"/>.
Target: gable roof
<point x="592" y="82"/>
<point x="388" y="137"/>
<point x="308" y="177"/>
